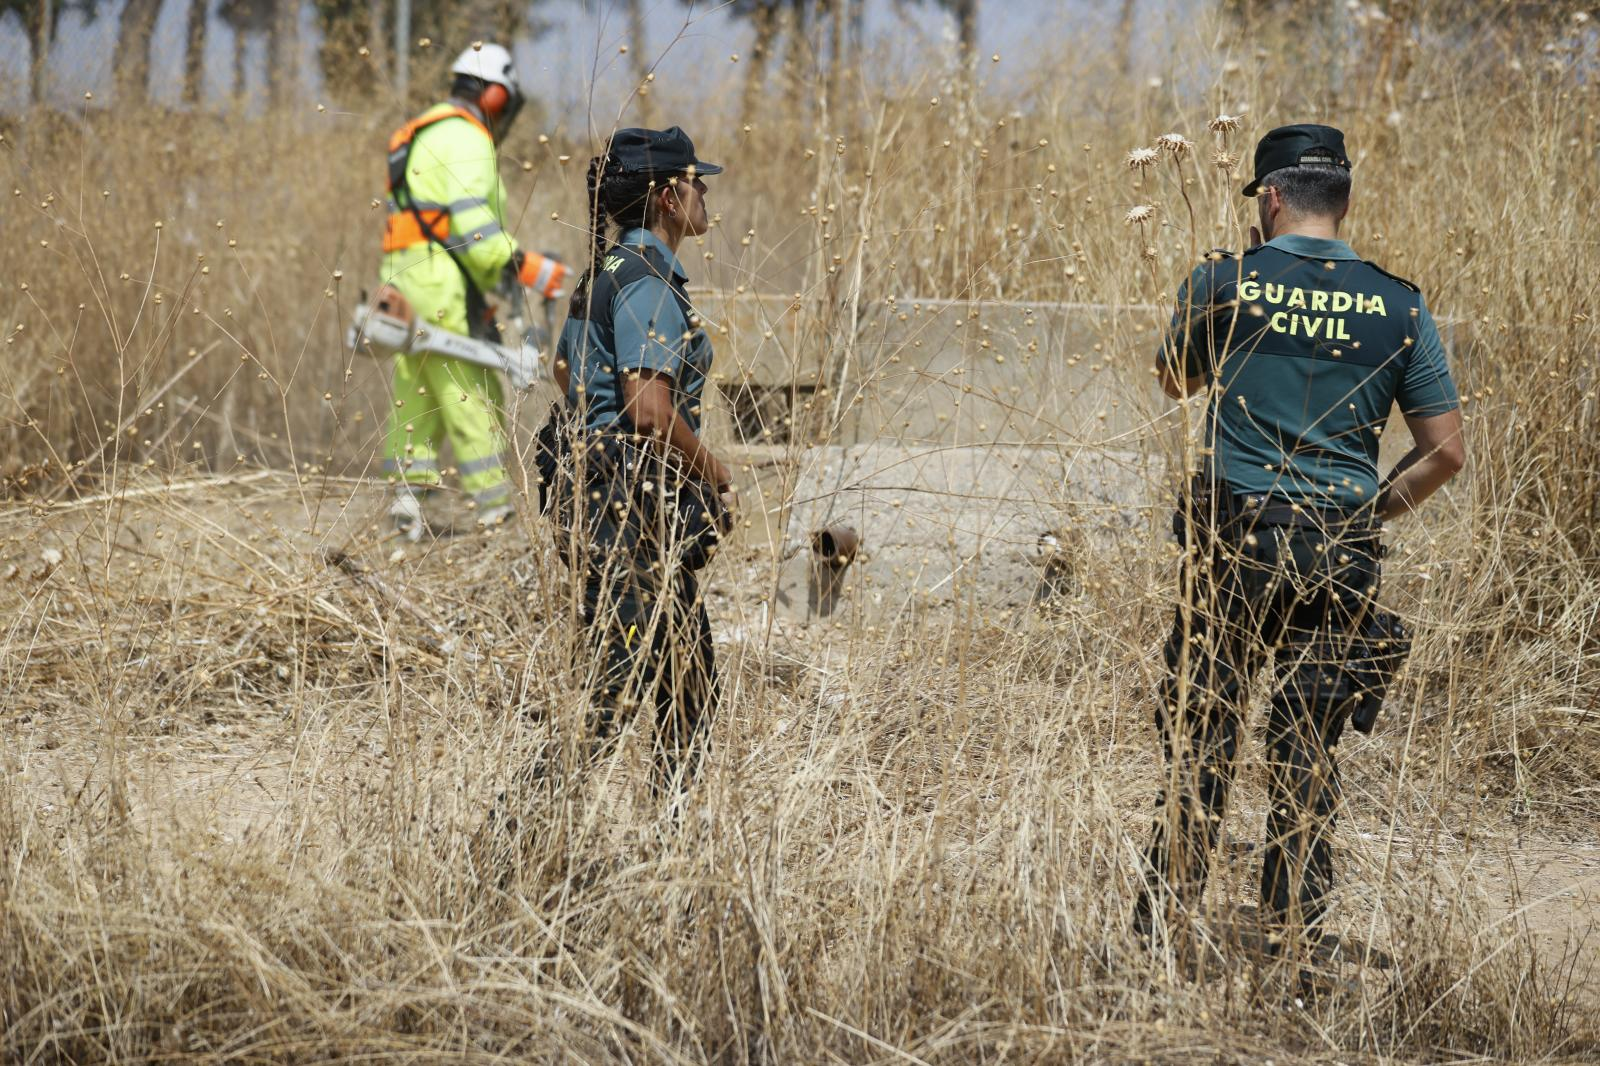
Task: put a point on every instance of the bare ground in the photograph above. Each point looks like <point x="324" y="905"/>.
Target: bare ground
<point x="208" y="727"/>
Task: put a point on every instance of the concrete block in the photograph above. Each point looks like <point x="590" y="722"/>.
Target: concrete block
<point x="996" y="524"/>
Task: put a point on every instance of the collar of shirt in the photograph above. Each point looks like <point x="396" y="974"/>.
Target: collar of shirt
<point x="641" y="237"/>
<point x="1313" y="247"/>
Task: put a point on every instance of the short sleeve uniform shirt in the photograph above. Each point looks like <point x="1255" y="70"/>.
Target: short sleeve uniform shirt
<point x="651" y="331"/>
<point x="1308" y="349"/>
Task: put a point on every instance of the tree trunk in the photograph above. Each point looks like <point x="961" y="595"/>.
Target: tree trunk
<point x="350" y="78"/>
<point x="500" y="21"/>
<point x="507" y="22"/>
<point x="241" y="44"/>
<point x="283" y="52"/>
<point x="640" y="64"/>
<point x="194" y="53"/>
<point x="799" y="53"/>
<point x="765" y="18"/>
<point x="41" y="32"/>
<point x="1125" y="37"/>
<point x="379" y="30"/>
<point x="836" y="19"/>
<point x="131" y="73"/>
<point x="967" y="26"/>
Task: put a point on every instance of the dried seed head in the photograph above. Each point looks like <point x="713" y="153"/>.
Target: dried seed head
<point x="1140" y="158"/>
<point x="1224" y="123"/>
<point x="1140" y="214"/>
<point x="1176" y="143"/>
<point x="1224" y="161"/>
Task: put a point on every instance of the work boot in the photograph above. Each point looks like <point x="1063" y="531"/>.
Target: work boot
<point x="406" y="514"/>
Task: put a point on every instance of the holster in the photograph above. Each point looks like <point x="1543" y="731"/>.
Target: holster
<point x="654" y="506"/>
<point x="552" y="446"/>
<point x="1380" y="648"/>
<point x="1376" y="656"/>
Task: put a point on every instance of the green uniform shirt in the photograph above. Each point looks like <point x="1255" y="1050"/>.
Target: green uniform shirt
<point x="1308" y="348"/>
<point x="649" y="331"/>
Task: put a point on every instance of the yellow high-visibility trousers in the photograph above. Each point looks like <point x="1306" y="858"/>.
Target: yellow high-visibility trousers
<point x="437" y="396"/>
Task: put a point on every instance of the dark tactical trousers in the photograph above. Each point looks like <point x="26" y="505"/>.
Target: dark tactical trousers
<point x="1292" y="596"/>
<point x="652" y="649"/>
<point x="649" y="639"/>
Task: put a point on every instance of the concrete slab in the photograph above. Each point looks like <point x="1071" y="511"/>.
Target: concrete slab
<point x="986" y="524"/>
<point x="931" y="371"/>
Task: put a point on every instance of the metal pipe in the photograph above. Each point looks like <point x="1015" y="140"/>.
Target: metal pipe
<point x="835" y="545"/>
<point x="833" y="549"/>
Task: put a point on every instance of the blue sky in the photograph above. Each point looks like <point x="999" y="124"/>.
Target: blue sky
<point x="691" y="46"/>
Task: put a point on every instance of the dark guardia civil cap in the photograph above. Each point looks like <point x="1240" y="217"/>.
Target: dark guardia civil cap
<point x="1289" y="146"/>
<point x="658" y="152"/>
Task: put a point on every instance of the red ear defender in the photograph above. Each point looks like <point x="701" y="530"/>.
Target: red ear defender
<point x="494" y="99"/>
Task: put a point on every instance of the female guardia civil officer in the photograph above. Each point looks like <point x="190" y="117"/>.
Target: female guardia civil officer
<point x="642" y="499"/>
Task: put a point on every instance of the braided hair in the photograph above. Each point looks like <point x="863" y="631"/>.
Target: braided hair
<point x="616" y="197"/>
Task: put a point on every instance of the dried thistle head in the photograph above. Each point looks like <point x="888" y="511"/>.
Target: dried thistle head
<point x="1176" y="143"/>
<point x="1225" y="161"/>
<point x="1140" y="158"/>
<point x="1139" y="214"/>
<point x="1224" y="123"/>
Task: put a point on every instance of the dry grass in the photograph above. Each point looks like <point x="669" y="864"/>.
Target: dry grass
<point x="257" y="807"/>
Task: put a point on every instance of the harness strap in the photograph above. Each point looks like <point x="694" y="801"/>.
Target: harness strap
<point x="400" y="144"/>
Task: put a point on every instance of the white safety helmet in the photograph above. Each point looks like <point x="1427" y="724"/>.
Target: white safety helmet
<point x="500" y="97"/>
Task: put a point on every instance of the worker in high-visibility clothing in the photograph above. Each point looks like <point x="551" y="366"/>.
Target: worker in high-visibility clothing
<point x="445" y="245"/>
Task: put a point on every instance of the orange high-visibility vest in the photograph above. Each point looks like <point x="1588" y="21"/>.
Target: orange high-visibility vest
<point x="404" y="226"/>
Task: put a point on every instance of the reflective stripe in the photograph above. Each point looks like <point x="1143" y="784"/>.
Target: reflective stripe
<point x="479" y="466"/>
<point x="480" y="232"/>
<point x="542" y="274"/>
<point x="402" y="230"/>
<point x="464" y="204"/>
<point x="547" y="271"/>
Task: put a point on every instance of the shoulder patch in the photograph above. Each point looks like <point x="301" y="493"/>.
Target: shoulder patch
<point x="1394" y="277"/>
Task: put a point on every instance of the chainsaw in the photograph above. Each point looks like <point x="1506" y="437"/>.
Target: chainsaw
<point x="386" y="325"/>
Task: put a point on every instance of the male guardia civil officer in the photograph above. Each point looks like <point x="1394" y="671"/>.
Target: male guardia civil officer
<point x="1305" y="349"/>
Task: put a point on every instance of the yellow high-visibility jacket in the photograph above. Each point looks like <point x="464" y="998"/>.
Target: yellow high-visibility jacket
<point x="454" y="183"/>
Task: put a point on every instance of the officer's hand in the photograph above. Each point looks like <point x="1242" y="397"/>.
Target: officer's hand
<point x="730" y="504"/>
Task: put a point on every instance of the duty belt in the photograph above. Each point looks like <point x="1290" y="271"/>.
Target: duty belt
<point x="1227" y="509"/>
